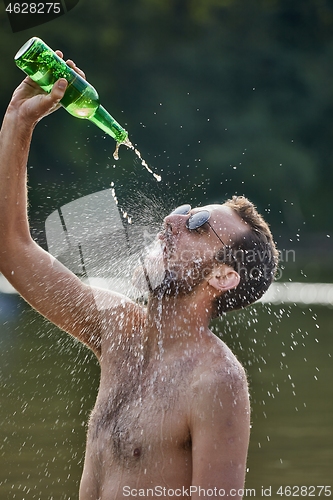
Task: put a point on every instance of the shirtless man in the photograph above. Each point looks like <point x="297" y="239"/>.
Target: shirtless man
<point x="172" y="415"/>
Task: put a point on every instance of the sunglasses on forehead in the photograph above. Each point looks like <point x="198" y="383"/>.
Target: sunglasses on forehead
<point x="195" y="220"/>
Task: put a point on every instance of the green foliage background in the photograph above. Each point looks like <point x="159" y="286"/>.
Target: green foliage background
<point x="221" y="96"/>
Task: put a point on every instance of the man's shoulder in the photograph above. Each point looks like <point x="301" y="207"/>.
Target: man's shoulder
<point x="219" y="370"/>
<point x="122" y="317"/>
<point x="220" y="388"/>
<point x="119" y="308"/>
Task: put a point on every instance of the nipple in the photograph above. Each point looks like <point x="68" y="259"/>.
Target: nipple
<point x="137" y="452"/>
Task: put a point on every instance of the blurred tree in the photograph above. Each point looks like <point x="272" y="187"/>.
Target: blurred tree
<point x="224" y="96"/>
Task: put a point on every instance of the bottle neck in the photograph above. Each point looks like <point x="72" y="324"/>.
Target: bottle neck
<point x="108" y="124"/>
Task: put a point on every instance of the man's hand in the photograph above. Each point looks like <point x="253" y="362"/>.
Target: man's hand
<point x="32" y="103"/>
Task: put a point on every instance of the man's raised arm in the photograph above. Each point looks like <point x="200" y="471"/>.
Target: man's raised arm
<point x="44" y="283"/>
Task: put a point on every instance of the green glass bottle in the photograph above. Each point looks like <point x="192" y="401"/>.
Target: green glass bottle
<point x="45" y="67"/>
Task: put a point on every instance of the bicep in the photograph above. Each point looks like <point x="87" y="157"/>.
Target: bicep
<point x="220" y="437"/>
<point x="57" y="293"/>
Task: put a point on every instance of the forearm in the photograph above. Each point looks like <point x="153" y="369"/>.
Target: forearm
<point x="28" y="105"/>
<point x="15" y="137"/>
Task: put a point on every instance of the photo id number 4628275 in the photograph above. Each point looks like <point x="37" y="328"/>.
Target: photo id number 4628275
<point x="34" y="8"/>
<point x="304" y="491"/>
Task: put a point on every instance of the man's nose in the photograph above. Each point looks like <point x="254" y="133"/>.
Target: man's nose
<point x="175" y="222"/>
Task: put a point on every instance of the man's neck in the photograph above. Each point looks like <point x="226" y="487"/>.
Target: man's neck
<point x="177" y="320"/>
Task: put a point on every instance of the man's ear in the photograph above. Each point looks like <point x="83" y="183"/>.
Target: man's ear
<point x="223" y="279"/>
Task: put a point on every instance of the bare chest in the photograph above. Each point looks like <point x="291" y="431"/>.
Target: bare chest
<point x="140" y="416"/>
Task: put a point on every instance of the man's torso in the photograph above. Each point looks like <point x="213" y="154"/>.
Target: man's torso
<point x="138" y="434"/>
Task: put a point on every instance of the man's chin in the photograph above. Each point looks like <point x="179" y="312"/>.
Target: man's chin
<point x="147" y="278"/>
<point x="165" y="284"/>
<point x="157" y="282"/>
<point x="154" y="276"/>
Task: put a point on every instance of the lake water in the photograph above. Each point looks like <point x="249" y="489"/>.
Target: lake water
<point x="49" y="384"/>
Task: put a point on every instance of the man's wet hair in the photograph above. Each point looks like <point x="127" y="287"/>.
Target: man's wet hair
<point x="252" y="254"/>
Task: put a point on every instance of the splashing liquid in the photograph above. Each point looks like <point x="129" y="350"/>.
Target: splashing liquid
<point x="123" y="212"/>
<point x="128" y="144"/>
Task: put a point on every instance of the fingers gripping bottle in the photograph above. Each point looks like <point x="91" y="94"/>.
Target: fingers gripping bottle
<point x="45" y="67"/>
